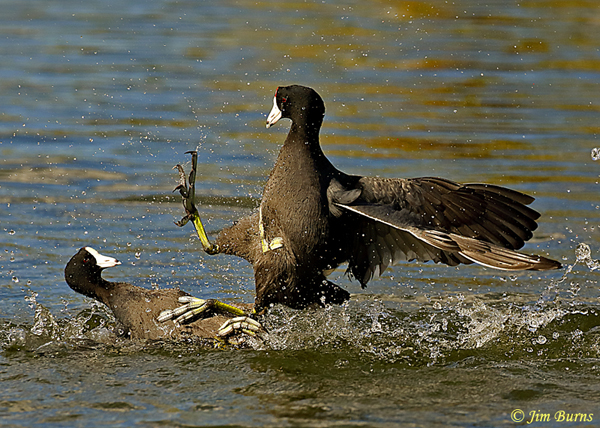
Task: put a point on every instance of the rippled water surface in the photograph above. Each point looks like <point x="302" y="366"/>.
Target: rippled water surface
<point x="100" y="99"/>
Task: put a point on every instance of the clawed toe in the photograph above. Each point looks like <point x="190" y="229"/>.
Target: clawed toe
<point x="182" y="186"/>
<point x="242" y="324"/>
<point x="193" y="307"/>
<point x="187" y="191"/>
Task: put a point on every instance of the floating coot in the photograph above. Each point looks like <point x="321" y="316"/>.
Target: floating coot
<point x="137" y="308"/>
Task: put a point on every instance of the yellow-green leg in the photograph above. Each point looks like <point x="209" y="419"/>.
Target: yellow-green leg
<point x="188" y="193"/>
<point x="194" y="306"/>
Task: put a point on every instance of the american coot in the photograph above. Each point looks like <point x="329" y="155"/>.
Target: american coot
<point x="136" y="308"/>
<point x="313" y="217"/>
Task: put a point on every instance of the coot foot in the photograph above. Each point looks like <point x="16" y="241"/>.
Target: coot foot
<point x="243" y="324"/>
<point x="188" y="193"/>
<point x="193" y="307"/>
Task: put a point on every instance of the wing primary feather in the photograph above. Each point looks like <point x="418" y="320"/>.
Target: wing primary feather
<point x="440" y="246"/>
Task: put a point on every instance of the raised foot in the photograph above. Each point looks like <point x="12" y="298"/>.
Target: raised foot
<point x="188" y="193"/>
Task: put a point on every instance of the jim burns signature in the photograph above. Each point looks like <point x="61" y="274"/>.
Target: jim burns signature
<point x="533" y="416"/>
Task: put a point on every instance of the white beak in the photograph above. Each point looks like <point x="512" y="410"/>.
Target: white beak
<point x="102" y="261"/>
<point x="275" y="114"/>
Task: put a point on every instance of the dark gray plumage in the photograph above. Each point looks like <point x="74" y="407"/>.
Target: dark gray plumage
<point x="320" y="217"/>
<point x="136" y="308"/>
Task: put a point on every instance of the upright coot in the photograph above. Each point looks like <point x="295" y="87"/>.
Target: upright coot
<point x="313" y="217"/>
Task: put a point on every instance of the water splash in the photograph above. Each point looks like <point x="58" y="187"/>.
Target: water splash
<point x="444" y="332"/>
<point x="584" y="256"/>
<point x="595" y="154"/>
<point x="49" y="334"/>
<point x="448" y="328"/>
<point x="44" y="323"/>
<point x="443" y="329"/>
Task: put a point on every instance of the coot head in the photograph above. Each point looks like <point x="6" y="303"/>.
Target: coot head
<point x="83" y="273"/>
<point x="301" y="104"/>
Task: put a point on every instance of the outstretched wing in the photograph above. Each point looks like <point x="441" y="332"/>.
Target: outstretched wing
<point x="435" y="219"/>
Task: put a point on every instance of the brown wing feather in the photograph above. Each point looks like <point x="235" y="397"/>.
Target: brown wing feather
<point x="435" y="219"/>
<point x="479" y="211"/>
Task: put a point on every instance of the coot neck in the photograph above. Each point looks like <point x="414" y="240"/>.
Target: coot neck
<point x="93" y="286"/>
<point x="303" y="139"/>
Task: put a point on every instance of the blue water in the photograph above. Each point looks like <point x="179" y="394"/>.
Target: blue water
<point x="99" y="100"/>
